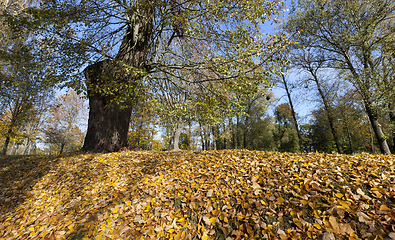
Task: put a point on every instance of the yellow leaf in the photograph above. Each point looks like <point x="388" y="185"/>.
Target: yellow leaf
<point x="384" y="208"/>
<point x="263" y="202"/>
<point x="339" y="195"/>
<point x="115" y="210"/>
<point x="317" y="225"/>
<point x="212" y="220"/>
<point x="344" y="204"/>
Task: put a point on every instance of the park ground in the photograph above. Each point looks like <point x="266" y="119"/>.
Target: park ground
<point x="228" y="194"/>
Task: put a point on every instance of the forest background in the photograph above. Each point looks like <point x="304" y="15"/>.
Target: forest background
<point x="320" y="102"/>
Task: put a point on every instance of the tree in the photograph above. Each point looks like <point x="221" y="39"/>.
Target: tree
<point x="129" y="44"/>
<point x="23" y="75"/>
<point x="143" y="127"/>
<point x="283" y="80"/>
<point x="260" y="125"/>
<point x="285" y="134"/>
<point x="313" y="64"/>
<point x="64" y="122"/>
<point x="22" y="91"/>
<point x="352" y="34"/>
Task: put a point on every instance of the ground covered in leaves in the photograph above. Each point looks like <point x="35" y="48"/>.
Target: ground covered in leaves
<point x="231" y="194"/>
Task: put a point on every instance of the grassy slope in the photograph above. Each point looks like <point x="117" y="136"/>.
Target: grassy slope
<point x="232" y="194"/>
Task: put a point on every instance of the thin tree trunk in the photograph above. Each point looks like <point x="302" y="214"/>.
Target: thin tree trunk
<point x="27" y="146"/>
<point x="215" y="138"/>
<point x="349" y="137"/>
<point x="201" y="136"/>
<point x="377" y="128"/>
<point x="15" y="149"/>
<point x="237" y="135"/>
<point x="224" y="134"/>
<point x="392" y="118"/>
<point x="219" y="142"/>
<point x="329" y="116"/>
<point x="62" y="148"/>
<point x="245" y="130"/>
<point x="177" y="132"/>
<point x="292" y="111"/>
<point x="190" y="135"/>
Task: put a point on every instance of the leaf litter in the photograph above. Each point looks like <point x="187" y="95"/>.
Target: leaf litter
<point x="227" y="194"/>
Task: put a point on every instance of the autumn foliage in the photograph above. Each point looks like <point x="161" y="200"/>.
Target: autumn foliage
<point x="229" y="194"/>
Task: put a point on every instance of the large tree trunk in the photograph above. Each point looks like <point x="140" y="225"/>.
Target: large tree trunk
<point x="108" y="122"/>
<point x="16" y="111"/>
<point x="6" y="143"/>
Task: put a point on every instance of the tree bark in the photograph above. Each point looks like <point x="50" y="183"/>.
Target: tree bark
<point x="15" y="113"/>
<point x="177" y="132"/>
<point x="190" y="135"/>
<point x="215" y="137"/>
<point x="201" y="136"/>
<point x="349" y="136"/>
<point x="224" y="136"/>
<point x="376" y="127"/>
<point x="27" y="146"/>
<point x="6" y="143"/>
<point x="237" y="133"/>
<point x="108" y="122"/>
<point x="292" y="111"/>
<point x="61" y="148"/>
<point x="392" y="118"/>
<point x="328" y="111"/>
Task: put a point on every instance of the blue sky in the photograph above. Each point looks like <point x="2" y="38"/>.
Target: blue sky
<point x="300" y="97"/>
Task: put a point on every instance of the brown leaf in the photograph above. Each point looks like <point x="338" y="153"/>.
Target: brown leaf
<point x="335" y="225"/>
<point x="362" y="217"/>
<point x="328" y="236"/>
<point x="238" y="234"/>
